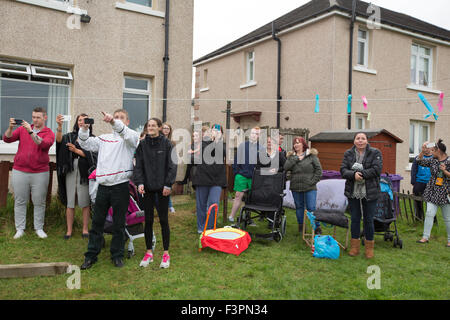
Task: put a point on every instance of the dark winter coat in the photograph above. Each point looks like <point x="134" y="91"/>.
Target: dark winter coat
<point x="206" y="173"/>
<point x="154" y="166"/>
<point x="372" y="164"/>
<point x="305" y="173"/>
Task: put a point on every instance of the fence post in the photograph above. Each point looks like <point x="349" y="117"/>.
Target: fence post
<point x="4" y="178"/>
<point x="52" y="167"/>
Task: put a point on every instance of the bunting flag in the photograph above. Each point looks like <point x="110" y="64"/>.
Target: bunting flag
<point x="365" y="102"/>
<point x="369" y="116"/>
<point x="441" y="102"/>
<point x="349" y="104"/>
<point x="428" y="106"/>
<point x="317" y="109"/>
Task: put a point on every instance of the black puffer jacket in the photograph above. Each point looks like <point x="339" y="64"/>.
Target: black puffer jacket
<point x="207" y="172"/>
<point x="154" y="166"/>
<point x="372" y="163"/>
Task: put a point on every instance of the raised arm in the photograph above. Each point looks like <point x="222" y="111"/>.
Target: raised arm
<point x="86" y="142"/>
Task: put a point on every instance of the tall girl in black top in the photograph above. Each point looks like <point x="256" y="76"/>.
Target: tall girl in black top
<point x="154" y="174"/>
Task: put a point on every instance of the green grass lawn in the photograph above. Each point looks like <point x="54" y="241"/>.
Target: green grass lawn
<point x="266" y="270"/>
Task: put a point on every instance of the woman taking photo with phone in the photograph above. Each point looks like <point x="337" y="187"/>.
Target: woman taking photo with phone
<point x="154" y="174"/>
<point x="436" y="193"/>
<point x="72" y="167"/>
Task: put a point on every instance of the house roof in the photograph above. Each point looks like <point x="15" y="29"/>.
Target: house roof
<point x="348" y="135"/>
<point x="316" y="8"/>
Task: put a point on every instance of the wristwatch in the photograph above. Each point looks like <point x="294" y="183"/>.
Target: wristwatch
<point x="30" y="132"/>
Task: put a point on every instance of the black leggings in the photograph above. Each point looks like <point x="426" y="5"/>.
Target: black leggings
<point x="162" y="206"/>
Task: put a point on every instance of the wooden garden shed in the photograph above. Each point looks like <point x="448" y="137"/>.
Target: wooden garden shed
<point x="332" y="145"/>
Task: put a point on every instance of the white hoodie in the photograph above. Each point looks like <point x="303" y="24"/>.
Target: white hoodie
<point x="115" y="153"/>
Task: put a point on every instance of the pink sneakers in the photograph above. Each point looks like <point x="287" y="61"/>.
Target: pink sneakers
<point x="146" y="260"/>
<point x="165" y="261"/>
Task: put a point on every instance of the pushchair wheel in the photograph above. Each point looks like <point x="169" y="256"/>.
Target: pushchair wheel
<point x="396" y="243"/>
<point x="277" y="236"/>
<point x="283" y="225"/>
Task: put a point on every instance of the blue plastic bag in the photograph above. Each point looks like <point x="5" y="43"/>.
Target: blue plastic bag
<point x="326" y="247"/>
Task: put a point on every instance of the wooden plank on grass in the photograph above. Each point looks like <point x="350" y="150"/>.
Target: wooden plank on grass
<point x="33" y="270"/>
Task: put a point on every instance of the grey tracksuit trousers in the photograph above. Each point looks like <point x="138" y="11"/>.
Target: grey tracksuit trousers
<point x="23" y="183"/>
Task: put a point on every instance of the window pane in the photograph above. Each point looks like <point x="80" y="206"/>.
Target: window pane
<point x="250" y="55"/>
<point x="136" y="84"/>
<point x="250" y="76"/>
<point x="427" y="51"/>
<point x="421" y="51"/>
<point x="423" y="71"/>
<point x="424" y="134"/>
<point x="137" y="107"/>
<point x="411" y="138"/>
<point x="147" y="3"/>
<point x="19" y="98"/>
<point x="413" y="69"/>
<point x="361" y="53"/>
<point x="414" y="49"/>
<point x="362" y="34"/>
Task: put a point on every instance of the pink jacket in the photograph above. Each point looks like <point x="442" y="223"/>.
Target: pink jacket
<point x="30" y="157"/>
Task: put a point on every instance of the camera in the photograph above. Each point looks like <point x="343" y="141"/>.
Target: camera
<point x="88" y="121"/>
<point x="18" y="122"/>
<point x="431" y="145"/>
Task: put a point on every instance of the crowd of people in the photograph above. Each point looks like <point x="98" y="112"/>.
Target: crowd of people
<point x="146" y="159"/>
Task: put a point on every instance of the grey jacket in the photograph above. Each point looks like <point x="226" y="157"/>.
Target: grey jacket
<point x="306" y="173"/>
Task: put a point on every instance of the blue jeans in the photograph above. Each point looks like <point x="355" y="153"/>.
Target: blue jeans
<point x="367" y="215"/>
<point x="206" y="196"/>
<point x="300" y="198"/>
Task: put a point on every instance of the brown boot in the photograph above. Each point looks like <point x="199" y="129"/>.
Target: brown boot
<point x="369" y="248"/>
<point x="354" y="249"/>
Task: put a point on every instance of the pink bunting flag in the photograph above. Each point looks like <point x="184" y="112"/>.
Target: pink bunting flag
<point x="441" y="102"/>
<point x="365" y="103"/>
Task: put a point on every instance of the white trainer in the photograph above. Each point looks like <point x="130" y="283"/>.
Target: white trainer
<point x="165" y="262"/>
<point x="19" y="234"/>
<point x="41" y="234"/>
<point x="172" y="210"/>
<point x="146" y="260"/>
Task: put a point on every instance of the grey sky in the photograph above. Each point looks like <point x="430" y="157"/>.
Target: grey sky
<point x="219" y="22"/>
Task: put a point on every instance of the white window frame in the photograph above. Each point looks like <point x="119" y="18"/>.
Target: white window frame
<point x="250" y="64"/>
<point x="65" y="5"/>
<point x="4" y="68"/>
<point x="35" y="72"/>
<point x="430" y="65"/>
<point x="366" y="48"/>
<point x="418" y="125"/>
<point x="129" y="6"/>
<point x="150" y="6"/>
<point x="363" y="119"/>
<point x="205" y="86"/>
<point x="12" y="148"/>
<point x="140" y="92"/>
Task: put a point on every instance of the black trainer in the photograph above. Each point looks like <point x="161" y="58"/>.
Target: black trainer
<point x="118" y="262"/>
<point x="87" y="264"/>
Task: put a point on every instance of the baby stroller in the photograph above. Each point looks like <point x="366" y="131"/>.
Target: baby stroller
<point x="385" y="214"/>
<point x="135" y="218"/>
<point x="265" y="201"/>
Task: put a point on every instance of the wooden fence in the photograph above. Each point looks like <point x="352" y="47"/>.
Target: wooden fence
<point x="405" y="207"/>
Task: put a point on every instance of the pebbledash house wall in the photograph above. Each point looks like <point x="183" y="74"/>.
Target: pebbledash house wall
<point x="315" y="60"/>
<point x="116" y="43"/>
